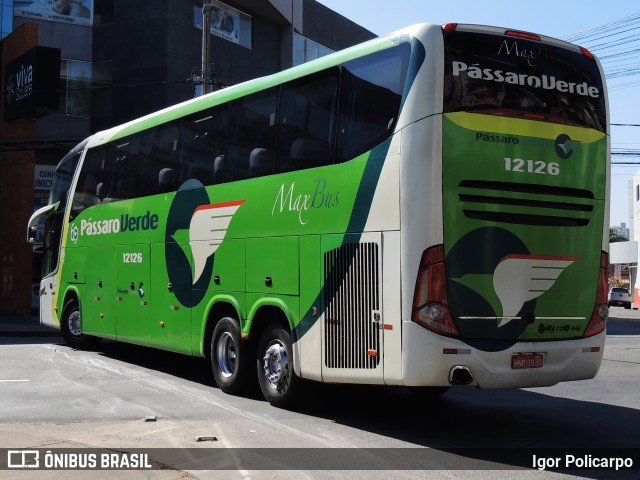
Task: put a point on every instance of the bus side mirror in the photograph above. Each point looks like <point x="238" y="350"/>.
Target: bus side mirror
<point x="31" y="236"/>
<point x="32" y="225"/>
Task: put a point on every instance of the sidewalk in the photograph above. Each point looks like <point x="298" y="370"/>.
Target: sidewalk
<point x="14" y="326"/>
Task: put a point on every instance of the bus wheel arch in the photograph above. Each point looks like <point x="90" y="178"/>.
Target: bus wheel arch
<point x="217" y="311"/>
<point x="71" y="324"/>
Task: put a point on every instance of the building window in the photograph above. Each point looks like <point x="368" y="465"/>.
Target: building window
<point x="85" y="88"/>
<point x="305" y="50"/>
<point x="102" y="12"/>
<point x="6" y="18"/>
<point x="227" y="23"/>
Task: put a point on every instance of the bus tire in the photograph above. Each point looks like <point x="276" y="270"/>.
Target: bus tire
<point x="71" y="327"/>
<point x="230" y="359"/>
<point x="278" y="381"/>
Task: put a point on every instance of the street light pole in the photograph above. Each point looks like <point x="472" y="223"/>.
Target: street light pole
<point x="206" y="34"/>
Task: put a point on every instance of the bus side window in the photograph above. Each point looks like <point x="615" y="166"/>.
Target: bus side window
<point x="203" y="140"/>
<point x="158" y="155"/>
<point x="122" y="185"/>
<point x="252" y="135"/>
<point x="370" y="97"/>
<point x="306" y="122"/>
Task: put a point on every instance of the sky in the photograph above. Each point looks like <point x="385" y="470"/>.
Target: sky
<point x="555" y="18"/>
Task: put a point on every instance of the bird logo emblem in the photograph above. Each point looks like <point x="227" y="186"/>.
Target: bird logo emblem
<point x="520" y="278"/>
<point x="207" y="229"/>
<point x="565" y="146"/>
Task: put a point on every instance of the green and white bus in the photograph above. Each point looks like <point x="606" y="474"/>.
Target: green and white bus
<point x="427" y="209"/>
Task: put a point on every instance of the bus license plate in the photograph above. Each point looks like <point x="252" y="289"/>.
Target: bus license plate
<point x="527" y="360"/>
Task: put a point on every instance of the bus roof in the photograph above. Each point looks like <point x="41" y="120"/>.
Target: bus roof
<point x="230" y="93"/>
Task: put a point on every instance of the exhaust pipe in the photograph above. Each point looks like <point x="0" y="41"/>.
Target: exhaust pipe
<point x="460" y="375"/>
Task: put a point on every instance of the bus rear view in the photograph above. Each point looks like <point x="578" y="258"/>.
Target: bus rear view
<point x="517" y="291"/>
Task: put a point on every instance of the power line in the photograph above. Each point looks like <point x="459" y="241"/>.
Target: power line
<point x="617" y="45"/>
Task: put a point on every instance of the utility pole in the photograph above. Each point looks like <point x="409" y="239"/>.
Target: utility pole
<point x="206" y="34"/>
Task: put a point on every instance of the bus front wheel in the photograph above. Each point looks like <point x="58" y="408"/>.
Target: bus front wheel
<point x="230" y="360"/>
<point x="278" y="381"/>
<point x="71" y="327"/>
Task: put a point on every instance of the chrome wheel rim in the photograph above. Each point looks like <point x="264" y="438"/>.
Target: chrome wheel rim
<point x="226" y="355"/>
<point x="276" y="364"/>
<point x="74" y="323"/>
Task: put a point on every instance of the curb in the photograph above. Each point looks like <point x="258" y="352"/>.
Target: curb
<point x="13" y="326"/>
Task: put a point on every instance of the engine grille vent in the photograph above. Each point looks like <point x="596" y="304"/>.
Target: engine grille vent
<point x="352" y="297"/>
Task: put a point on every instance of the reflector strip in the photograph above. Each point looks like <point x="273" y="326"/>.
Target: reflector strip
<point x="456" y="351"/>
<point x="386" y="326"/>
<point x="590" y="349"/>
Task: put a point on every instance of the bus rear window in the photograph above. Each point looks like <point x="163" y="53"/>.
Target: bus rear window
<point x="504" y="75"/>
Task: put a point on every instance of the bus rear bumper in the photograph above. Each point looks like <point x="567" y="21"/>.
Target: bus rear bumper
<point x="428" y="360"/>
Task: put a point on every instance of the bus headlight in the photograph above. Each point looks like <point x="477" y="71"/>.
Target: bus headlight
<point x="603" y="311"/>
<point x="433" y="312"/>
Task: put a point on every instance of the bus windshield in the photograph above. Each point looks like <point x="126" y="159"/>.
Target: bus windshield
<point x="62" y="178"/>
<point x="503" y="75"/>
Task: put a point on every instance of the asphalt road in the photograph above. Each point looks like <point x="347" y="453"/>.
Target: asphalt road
<point x="122" y="397"/>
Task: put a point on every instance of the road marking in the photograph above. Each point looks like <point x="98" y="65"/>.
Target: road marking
<point x="15" y="380"/>
<point x="158" y="431"/>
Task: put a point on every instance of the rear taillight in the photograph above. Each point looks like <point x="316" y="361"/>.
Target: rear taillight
<point x="600" y="313"/>
<point x="525" y="35"/>
<point x="430" y="308"/>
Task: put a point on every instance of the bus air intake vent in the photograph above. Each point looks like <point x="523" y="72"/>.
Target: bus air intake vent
<point x="526" y="204"/>
<point x="352" y="300"/>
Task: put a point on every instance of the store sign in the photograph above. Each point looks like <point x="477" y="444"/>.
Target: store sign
<point x="76" y="12"/>
<point x="31" y="83"/>
<point x="226" y="22"/>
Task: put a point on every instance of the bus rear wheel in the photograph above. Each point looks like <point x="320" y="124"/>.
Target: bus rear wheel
<point x="230" y="360"/>
<point x="278" y="381"/>
<point x="71" y="327"/>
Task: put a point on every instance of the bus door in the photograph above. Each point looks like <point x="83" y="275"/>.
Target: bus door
<point x="169" y="323"/>
<point x="352" y="339"/>
<point x="133" y="278"/>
